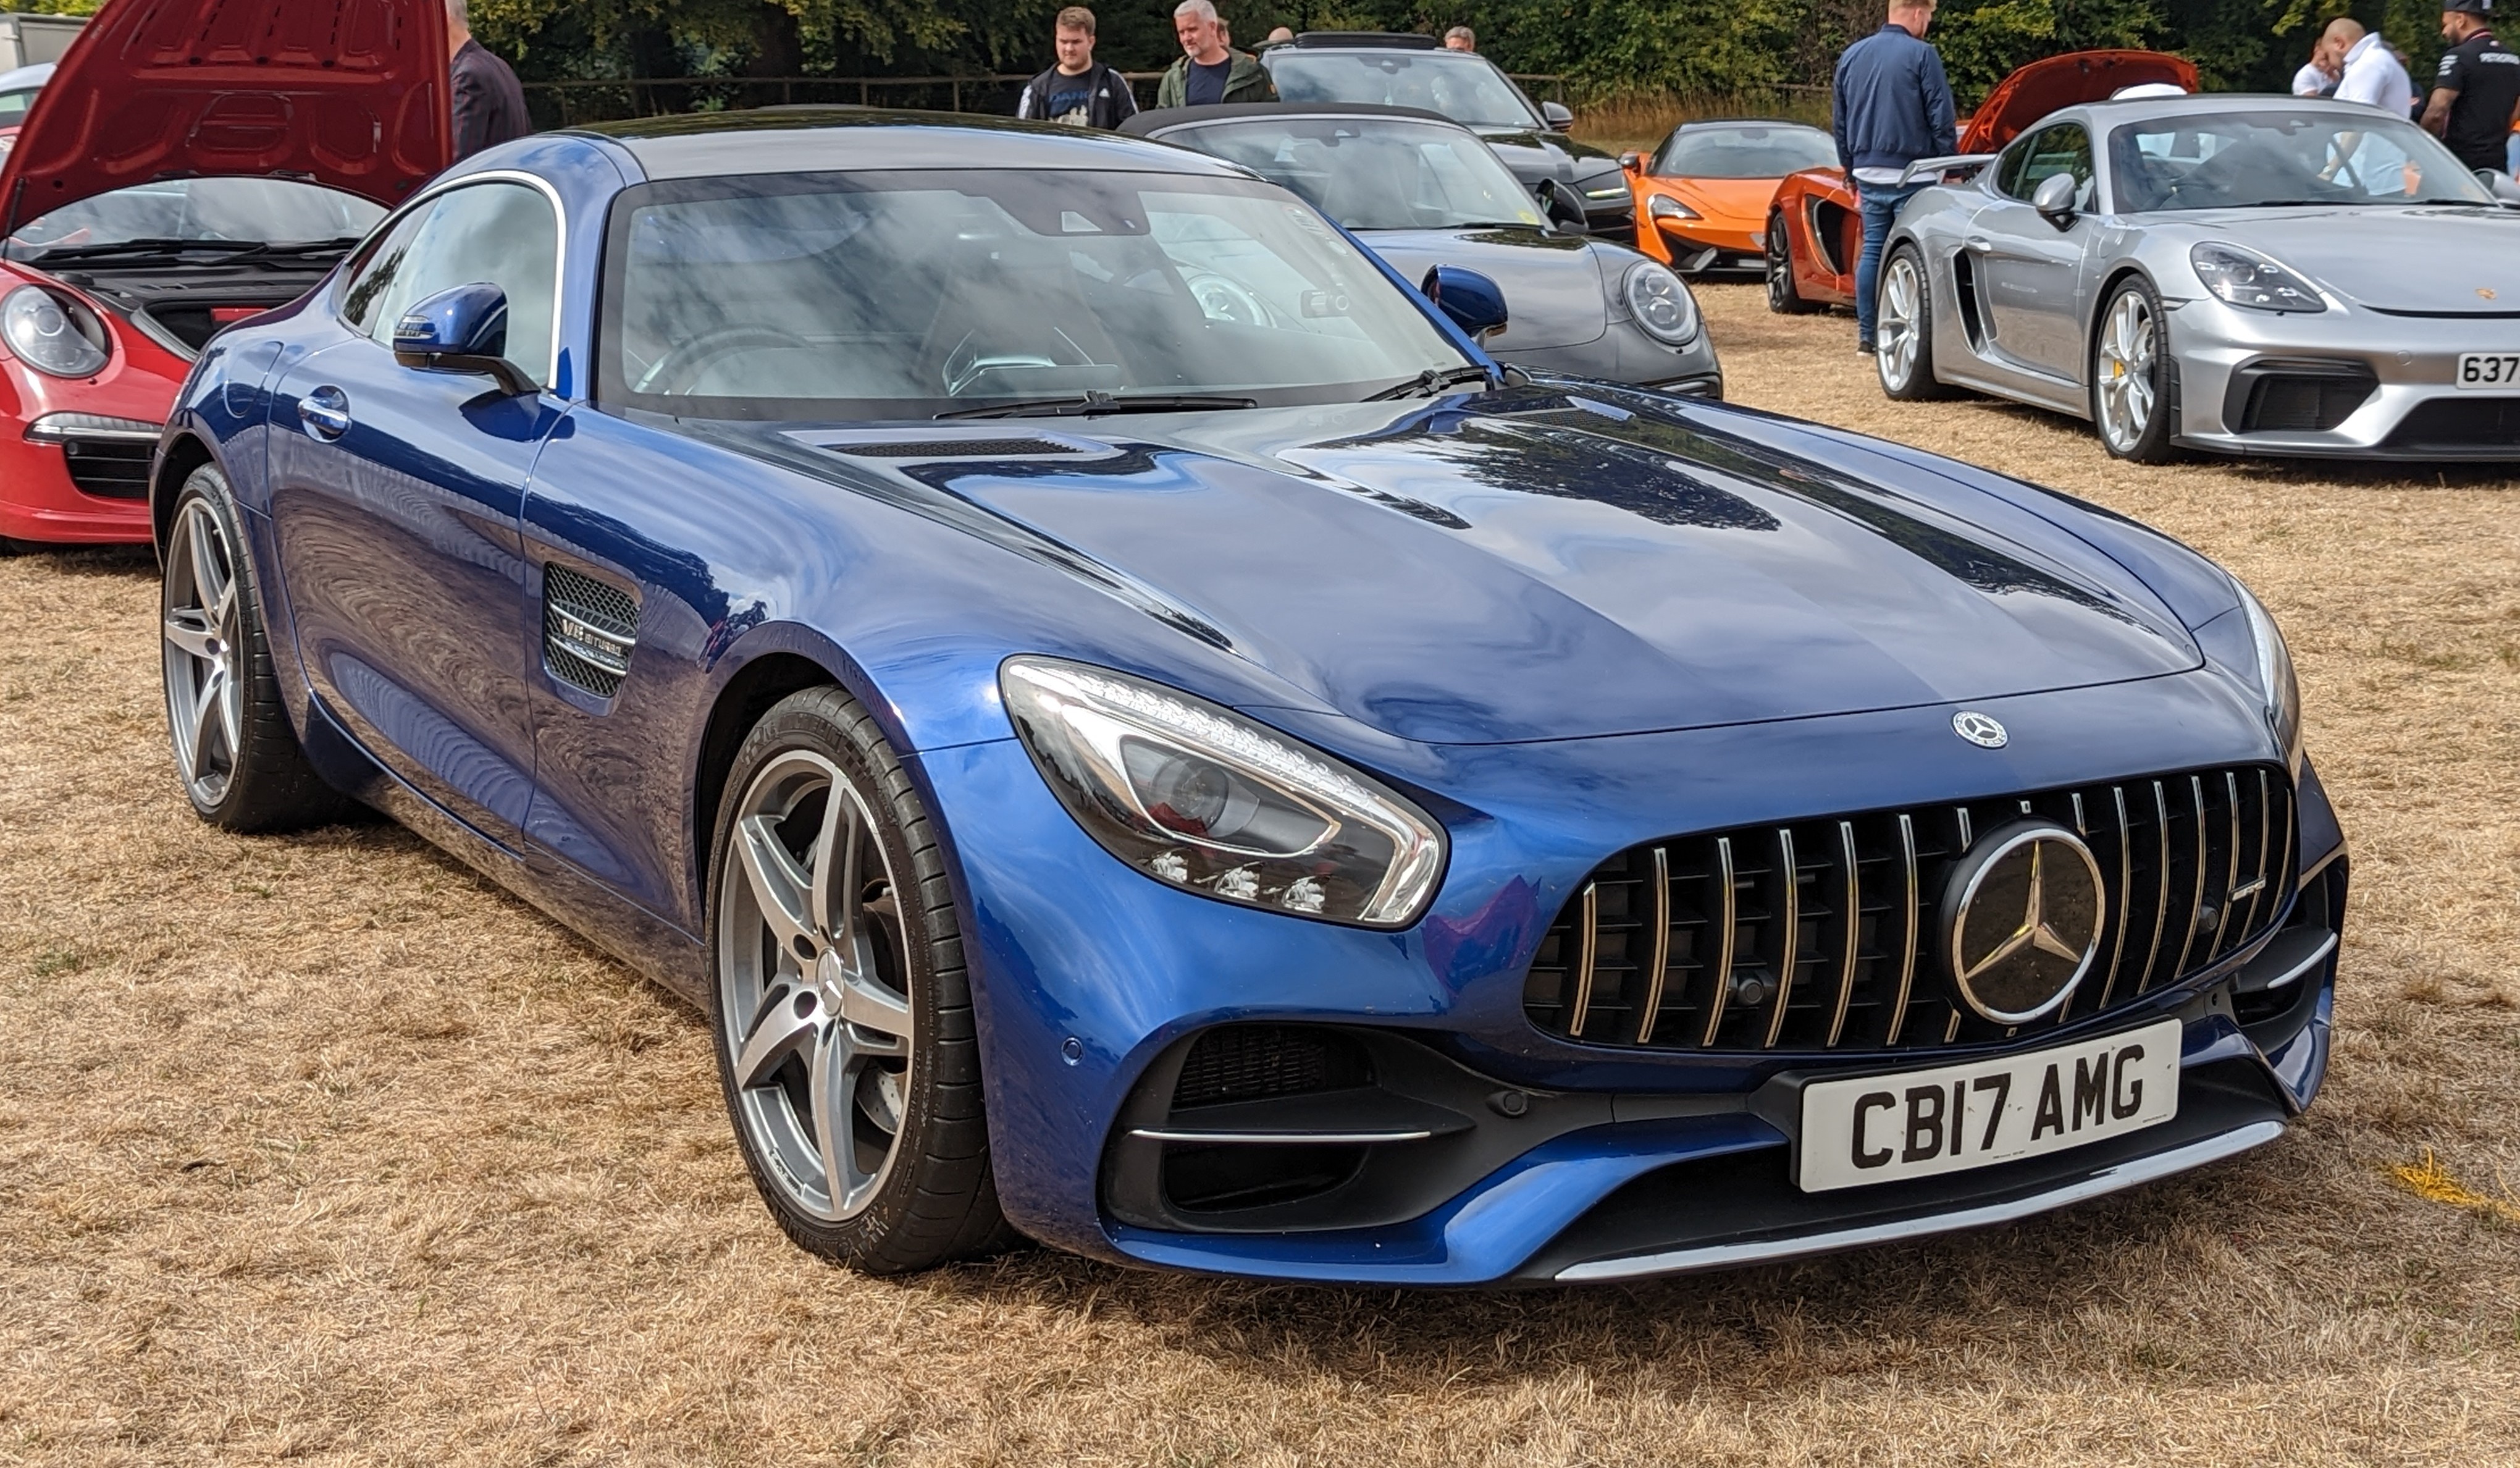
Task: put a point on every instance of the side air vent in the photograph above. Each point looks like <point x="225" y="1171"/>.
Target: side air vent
<point x="589" y="628"/>
<point x="1822" y="934"/>
<point x="1252" y="1062"/>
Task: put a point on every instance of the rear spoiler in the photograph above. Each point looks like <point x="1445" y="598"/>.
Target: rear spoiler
<point x="1932" y="169"/>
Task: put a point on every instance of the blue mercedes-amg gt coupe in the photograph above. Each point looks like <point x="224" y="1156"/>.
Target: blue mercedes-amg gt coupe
<point x="1138" y="733"/>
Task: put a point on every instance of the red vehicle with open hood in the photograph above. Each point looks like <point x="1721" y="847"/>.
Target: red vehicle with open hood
<point x="1813" y="230"/>
<point x="191" y="162"/>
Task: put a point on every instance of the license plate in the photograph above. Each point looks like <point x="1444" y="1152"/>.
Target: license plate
<point x="2487" y="371"/>
<point x="1916" y="1124"/>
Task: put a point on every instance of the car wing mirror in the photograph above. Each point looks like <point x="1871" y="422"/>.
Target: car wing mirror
<point x="1557" y="115"/>
<point x="462" y="329"/>
<point x="1631" y="163"/>
<point x="1469" y="298"/>
<point x="2499" y="185"/>
<point x="2054" y="199"/>
<point x="1562" y="205"/>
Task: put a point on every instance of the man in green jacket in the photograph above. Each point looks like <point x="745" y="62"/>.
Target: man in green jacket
<point x="1209" y="70"/>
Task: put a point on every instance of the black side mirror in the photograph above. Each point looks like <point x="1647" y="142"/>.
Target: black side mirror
<point x="1557" y="115"/>
<point x="462" y="329"/>
<point x="2054" y="199"/>
<point x="1470" y="298"/>
<point x="1562" y="205"/>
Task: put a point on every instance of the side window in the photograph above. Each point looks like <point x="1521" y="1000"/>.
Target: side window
<point x="2065" y="148"/>
<point x="501" y="233"/>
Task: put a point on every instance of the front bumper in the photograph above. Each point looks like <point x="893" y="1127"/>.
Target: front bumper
<point x="1625" y="353"/>
<point x="2257" y="383"/>
<point x="1700" y="245"/>
<point x="1092" y="978"/>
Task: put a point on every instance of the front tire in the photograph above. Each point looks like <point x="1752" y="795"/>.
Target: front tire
<point x="1903" y="334"/>
<point x="2133" y="400"/>
<point x="846" y="1043"/>
<point x="235" y="750"/>
<point x="1784" y="297"/>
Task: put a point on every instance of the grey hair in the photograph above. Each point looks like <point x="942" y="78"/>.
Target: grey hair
<point x="459" y="14"/>
<point x="1204" y="9"/>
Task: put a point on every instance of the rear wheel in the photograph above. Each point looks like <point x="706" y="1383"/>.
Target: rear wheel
<point x="845" y="1037"/>
<point x="235" y="750"/>
<point x="1902" y="333"/>
<point x="1783" y="296"/>
<point x="2133" y="399"/>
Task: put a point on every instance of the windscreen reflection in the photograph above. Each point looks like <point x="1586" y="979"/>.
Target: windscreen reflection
<point x="899" y="296"/>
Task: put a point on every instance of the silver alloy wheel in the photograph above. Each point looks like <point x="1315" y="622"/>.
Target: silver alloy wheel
<point x="205" y="685"/>
<point x="2125" y="368"/>
<point x="813" y="986"/>
<point x="1895" y="337"/>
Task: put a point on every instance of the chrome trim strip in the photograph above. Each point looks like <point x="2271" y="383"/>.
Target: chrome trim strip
<point x="1662" y="950"/>
<point x="560" y="261"/>
<point x="2126" y="896"/>
<point x="2319" y="871"/>
<point x="2161" y="906"/>
<point x="1853" y="922"/>
<point x="2126" y="1174"/>
<point x="1908" y="934"/>
<point x="1587" y="953"/>
<point x="601" y="646"/>
<point x="1968" y="837"/>
<point x="2293" y="974"/>
<point x="1277" y="1138"/>
<point x="2292" y="829"/>
<point x="2196" y="902"/>
<point x="2266" y="844"/>
<point x="1723" y="944"/>
<point x="2231" y="868"/>
<point x="1793" y="881"/>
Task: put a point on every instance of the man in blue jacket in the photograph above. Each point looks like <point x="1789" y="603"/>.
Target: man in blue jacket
<point x="1889" y="106"/>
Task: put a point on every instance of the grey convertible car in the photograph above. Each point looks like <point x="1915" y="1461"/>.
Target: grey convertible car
<point x="1421" y="190"/>
<point x="2241" y="274"/>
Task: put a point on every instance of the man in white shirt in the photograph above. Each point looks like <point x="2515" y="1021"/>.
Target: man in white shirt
<point x="2317" y="75"/>
<point x="2373" y="73"/>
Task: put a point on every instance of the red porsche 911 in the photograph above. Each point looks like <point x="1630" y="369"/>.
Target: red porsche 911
<point x="1813" y="230"/>
<point x="188" y="165"/>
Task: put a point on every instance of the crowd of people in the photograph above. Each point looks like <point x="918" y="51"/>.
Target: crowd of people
<point x="2475" y="104"/>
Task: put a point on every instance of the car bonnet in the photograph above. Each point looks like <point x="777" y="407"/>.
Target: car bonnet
<point x="1554" y="292"/>
<point x="2059" y="81"/>
<point x="350" y="95"/>
<point x="2472" y="256"/>
<point x="1553" y="566"/>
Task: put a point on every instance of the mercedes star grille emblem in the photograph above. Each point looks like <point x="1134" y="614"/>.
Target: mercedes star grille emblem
<point x="2021" y="921"/>
<point x="1979" y="729"/>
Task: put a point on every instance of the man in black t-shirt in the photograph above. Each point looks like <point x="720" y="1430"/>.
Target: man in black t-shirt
<point x="2477" y="90"/>
<point x="1077" y="90"/>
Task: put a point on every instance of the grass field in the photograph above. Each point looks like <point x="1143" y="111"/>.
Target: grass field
<point x="320" y="1149"/>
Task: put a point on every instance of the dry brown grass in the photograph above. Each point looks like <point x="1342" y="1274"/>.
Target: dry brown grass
<point x="322" y="1149"/>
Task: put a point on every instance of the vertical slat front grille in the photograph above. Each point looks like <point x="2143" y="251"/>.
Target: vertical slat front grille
<point x="1823" y="935"/>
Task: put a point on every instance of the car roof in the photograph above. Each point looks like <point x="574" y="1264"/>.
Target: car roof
<point x="1703" y="123"/>
<point x="855" y="139"/>
<point x="2111" y="112"/>
<point x="1156" y="122"/>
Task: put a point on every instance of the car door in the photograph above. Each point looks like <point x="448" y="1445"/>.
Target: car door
<point x="2030" y="272"/>
<point x="395" y="497"/>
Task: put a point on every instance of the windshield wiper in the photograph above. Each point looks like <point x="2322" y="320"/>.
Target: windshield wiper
<point x="1432" y="380"/>
<point x="1091" y="403"/>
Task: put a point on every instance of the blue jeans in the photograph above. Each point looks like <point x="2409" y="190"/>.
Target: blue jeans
<point x="2511" y="155"/>
<point x="1881" y="206"/>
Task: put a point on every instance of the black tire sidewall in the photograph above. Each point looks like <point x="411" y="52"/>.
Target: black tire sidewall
<point x="1920" y="384"/>
<point x="1782" y="297"/>
<point x="893" y="1233"/>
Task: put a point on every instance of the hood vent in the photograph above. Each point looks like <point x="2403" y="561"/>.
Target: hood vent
<point x="904" y="446"/>
<point x="970" y="448"/>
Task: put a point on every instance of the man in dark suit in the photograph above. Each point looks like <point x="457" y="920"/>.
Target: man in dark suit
<point x="489" y="103"/>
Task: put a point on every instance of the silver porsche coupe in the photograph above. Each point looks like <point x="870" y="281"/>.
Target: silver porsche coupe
<point x="2241" y="274"/>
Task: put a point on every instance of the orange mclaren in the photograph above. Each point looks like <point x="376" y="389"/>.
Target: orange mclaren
<point x="1702" y="197"/>
<point x="1812" y="233"/>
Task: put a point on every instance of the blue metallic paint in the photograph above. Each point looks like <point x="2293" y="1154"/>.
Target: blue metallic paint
<point x="1272" y="531"/>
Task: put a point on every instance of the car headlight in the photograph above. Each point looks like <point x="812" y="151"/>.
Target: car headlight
<point x="1198" y="796"/>
<point x="50" y="334"/>
<point x="2275" y="677"/>
<point x="2245" y="278"/>
<point x="1661" y="304"/>
<point x="1664" y="206"/>
<point x="1607" y="191"/>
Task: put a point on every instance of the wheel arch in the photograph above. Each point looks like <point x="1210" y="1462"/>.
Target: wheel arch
<point x="177" y="458"/>
<point x="2099" y="301"/>
<point x="756" y="688"/>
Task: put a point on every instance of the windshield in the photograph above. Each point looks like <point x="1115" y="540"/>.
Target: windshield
<point x="908" y="295"/>
<point x="1754" y="152"/>
<point x="247" y="210"/>
<point x="1465" y="89"/>
<point x="14" y="104"/>
<point x="2219" y="160"/>
<point x="1374" y="172"/>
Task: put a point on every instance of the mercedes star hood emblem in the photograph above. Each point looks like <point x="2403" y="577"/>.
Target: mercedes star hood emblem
<point x="1979" y="729"/>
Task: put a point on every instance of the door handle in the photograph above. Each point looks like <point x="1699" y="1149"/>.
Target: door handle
<point x="326" y="412"/>
<point x="1980" y="245"/>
